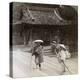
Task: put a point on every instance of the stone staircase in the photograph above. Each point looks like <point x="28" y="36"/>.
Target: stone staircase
<point x="47" y="50"/>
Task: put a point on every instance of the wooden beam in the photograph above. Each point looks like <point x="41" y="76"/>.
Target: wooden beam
<point x="56" y="13"/>
<point x="29" y="13"/>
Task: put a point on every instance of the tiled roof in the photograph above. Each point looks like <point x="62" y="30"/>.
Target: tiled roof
<point x="37" y="15"/>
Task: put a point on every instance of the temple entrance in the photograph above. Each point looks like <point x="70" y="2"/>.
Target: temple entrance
<point x="46" y="37"/>
<point x="43" y="34"/>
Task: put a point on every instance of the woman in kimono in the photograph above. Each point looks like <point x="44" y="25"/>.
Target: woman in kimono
<point x="60" y="51"/>
<point x="62" y="57"/>
<point x="37" y="52"/>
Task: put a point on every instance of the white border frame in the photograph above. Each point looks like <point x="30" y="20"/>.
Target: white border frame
<point x="4" y="39"/>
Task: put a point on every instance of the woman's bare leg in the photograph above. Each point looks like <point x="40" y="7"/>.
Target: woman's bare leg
<point x="39" y="66"/>
<point x="63" y="66"/>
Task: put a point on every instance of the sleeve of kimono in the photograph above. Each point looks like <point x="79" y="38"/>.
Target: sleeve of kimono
<point x="39" y="50"/>
<point x="32" y="51"/>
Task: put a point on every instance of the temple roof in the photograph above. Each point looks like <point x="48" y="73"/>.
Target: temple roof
<point x="39" y="15"/>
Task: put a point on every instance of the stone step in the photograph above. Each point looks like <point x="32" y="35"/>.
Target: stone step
<point x="47" y="51"/>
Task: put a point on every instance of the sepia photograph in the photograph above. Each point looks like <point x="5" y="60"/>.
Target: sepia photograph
<point x="43" y="40"/>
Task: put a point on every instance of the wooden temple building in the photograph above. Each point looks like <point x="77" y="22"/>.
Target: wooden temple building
<point x="43" y="21"/>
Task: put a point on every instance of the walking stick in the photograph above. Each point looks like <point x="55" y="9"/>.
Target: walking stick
<point x="31" y="58"/>
<point x="67" y="68"/>
<point x="31" y="62"/>
<point x="63" y="63"/>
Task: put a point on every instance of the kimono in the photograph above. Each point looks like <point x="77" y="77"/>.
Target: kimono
<point x="61" y="53"/>
<point x="38" y="54"/>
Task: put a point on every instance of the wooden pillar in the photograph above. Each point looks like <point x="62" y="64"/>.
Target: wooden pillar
<point x="24" y="34"/>
<point x="50" y="37"/>
<point x="30" y="39"/>
<point x="24" y="39"/>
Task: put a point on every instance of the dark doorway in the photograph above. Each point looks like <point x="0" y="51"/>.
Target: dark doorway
<point x="46" y="37"/>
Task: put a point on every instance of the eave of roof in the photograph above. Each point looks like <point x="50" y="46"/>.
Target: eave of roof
<point x="42" y="17"/>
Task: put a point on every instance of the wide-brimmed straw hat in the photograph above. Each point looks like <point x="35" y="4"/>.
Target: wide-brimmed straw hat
<point x="54" y="42"/>
<point x="38" y="41"/>
<point x="63" y="46"/>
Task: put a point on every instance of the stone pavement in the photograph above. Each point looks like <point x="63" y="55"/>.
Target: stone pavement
<point x="24" y="66"/>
